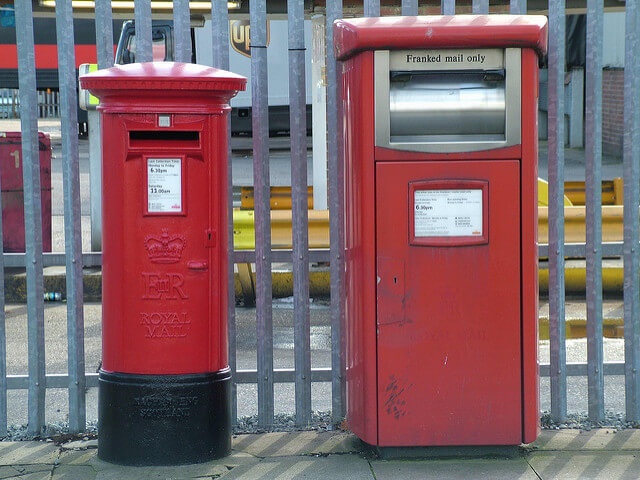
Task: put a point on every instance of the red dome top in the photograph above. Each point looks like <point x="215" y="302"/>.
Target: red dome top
<point x="163" y="76"/>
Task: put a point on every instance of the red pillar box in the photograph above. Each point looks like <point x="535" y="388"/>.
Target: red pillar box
<point x="165" y="382"/>
<point x="13" y="190"/>
<point x="440" y="125"/>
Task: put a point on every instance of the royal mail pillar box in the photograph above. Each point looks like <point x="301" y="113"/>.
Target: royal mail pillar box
<point x="440" y="135"/>
<point x="164" y="394"/>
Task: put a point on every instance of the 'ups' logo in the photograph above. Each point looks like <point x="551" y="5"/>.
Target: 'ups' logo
<point x="240" y="38"/>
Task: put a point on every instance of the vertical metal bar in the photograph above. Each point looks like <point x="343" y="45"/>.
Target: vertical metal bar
<point x="593" y="172"/>
<point x="182" y="31"/>
<point x="371" y="8"/>
<point x="448" y="7"/>
<point x="144" y="40"/>
<point x="220" y="49"/>
<point x="480" y="7"/>
<point x="631" y="161"/>
<point x="299" y="206"/>
<point x="72" y="229"/>
<point x="409" y="7"/>
<point x="556" y="210"/>
<point x="104" y="33"/>
<point x="336" y="176"/>
<point x="3" y="338"/>
<point x="518" y="7"/>
<point x="261" y="181"/>
<point x="32" y="215"/>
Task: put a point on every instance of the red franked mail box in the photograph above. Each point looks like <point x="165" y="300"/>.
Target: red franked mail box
<point x="440" y="136"/>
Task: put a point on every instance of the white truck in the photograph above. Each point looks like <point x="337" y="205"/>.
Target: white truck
<point x="239" y="62"/>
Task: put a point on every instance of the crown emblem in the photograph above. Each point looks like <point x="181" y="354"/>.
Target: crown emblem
<point x="164" y="248"/>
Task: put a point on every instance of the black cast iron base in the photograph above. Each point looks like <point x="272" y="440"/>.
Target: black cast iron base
<point x="164" y="419"/>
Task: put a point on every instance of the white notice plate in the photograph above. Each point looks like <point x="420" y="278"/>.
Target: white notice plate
<point x="448" y="213"/>
<point x="164" y="185"/>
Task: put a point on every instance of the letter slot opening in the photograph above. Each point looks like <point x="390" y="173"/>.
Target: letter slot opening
<point x="440" y="106"/>
<point x="164" y="138"/>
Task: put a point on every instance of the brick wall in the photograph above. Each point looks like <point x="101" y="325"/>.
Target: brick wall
<point x="612" y="110"/>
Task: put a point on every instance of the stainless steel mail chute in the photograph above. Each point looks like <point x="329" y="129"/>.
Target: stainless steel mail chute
<point x="447" y="100"/>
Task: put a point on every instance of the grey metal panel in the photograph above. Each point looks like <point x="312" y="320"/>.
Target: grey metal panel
<point x="518" y="7"/>
<point x="32" y="214"/>
<point x="260" y="122"/>
<point x="220" y="59"/>
<point x="144" y="41"/>
<point x="631" y="161"/>
<point x="104" y="33"/>
<point x="336" y="181"/>
<point x="409" y="7"/>
<point x="480" y="7"/>
<point x="556" y="210"/>
<point x="182" y="31"/>
<point x="593" y="200"/>
<point x="371" y="8"/>
<point x="300" y="216"/>
<point x="72" y="228"/>
<point x="95" y="177"/>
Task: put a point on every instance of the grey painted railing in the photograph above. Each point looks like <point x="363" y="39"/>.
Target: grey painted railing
<point x="302" y="375"/>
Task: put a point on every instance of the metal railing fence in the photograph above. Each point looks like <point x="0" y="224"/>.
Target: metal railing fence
<point x="302" y="375"/>
<point x="48" y="103"/>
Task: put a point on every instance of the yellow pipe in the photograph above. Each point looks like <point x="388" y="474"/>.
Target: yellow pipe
<point x="575" y="230"/>
<point x="574" y="224"/>
<point x="244" y="233"/>
<point x="280" y="198"/>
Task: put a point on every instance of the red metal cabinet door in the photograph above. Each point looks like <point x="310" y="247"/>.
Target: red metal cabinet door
<point x="449" y="358"/>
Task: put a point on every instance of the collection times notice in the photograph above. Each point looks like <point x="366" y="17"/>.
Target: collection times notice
<point x="448" y="213"/>
<point x="164" y="185"/>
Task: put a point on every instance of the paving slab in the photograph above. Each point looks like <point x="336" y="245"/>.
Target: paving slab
<point x="30" y="472"/>
<point x="213" y="469"/>
<point x="585" y="465"/>
<point x="580" y="440"/>
<point x="350" y="467"/>
<point x="26" y="453"/>
<point x="280" y="444"/>
<point x="74" y="472"/>
<point x="77" y="457"/>
<point x="494" y="469"/>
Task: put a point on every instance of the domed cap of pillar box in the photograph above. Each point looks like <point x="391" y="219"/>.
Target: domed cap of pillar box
<point x="162" y="84"/>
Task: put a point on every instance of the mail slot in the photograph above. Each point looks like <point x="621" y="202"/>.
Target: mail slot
<point x="164" y="395"/>
<point x="440" y="228"/>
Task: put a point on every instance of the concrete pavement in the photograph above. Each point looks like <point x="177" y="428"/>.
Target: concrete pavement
<point x="557" y="454"/>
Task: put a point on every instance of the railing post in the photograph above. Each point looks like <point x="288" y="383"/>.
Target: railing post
<point x="593" y="184"/>
<point x="556" y="210"/>
<point x="261" y="181"/>
<point x="32" y="215"/>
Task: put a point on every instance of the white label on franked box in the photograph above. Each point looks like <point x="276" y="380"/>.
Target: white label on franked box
<point x="164" y="185"/>
<point x="448" y="213"/>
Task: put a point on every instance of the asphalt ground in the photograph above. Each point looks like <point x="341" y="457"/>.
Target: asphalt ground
<point x="56" y="360"/>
